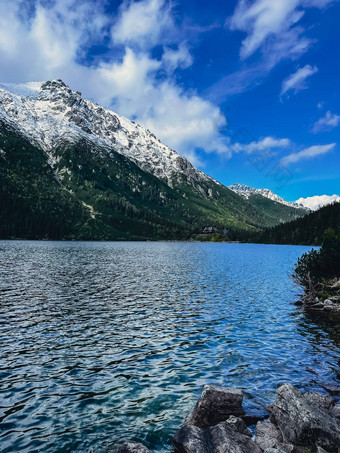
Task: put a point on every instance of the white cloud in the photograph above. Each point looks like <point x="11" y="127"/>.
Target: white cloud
<point x="308" y="153"/>
<point x="54" y="40"/>
<point x="143" y="23"/>
<point x="266" y="143"/>
<point x="291" y="45"/>
<point x="177" y="58"/>
<point x="181" y="120"/>
<point x="272" y="28"/>
<point x="272" y="23"/>
<point x="296" y="82"/>
<point x="318" y="201"/>
<point x="263" y="19"/>
<point x="327" y="122"/>
<point x="317" y="3"/>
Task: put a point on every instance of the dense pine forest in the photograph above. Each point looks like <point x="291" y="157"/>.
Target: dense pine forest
<point x="308" y="230"/>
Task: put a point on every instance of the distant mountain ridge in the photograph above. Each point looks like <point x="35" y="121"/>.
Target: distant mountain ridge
<point x="246" y="191"/>
<point x="72" y="169"/>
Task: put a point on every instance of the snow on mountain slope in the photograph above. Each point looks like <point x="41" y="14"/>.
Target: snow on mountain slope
<point x="246" y="191"/>
<point x="48" y="113"/>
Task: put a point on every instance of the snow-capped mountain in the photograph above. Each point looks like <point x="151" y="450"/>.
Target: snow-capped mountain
<point x="246" y="192"/>
<point x="50" y="112"/>
<point x="73" y="169"/>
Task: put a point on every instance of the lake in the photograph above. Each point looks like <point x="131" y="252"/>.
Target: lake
<point x="102" y="342"/>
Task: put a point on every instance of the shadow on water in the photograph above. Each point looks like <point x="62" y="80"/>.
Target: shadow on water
<point x="323" y="332"/>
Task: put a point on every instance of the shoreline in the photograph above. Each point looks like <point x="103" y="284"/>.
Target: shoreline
<point x="152" y="241"/>
<point x="295" y="422"/>
<point x="322" y="298"/>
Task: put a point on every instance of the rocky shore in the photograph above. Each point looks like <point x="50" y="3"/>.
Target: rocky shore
<point x="295" y="423"/>
<point x="322" y="297"/>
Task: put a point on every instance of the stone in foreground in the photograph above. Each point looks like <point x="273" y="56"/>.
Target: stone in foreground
<point x="131" y="447"/>
<point x="239" y="425"/>
<point x="190" y="439"/>
<point x="268" y="436"/>
<point x="226" y="437"/>
<point x="215" y="405"/>
<point x="304" y="419"/>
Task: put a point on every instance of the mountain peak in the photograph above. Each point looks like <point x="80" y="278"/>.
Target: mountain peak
<point x="27" y="89"/>
<point x="247" y="191"/>
<point x="50" y="112"/>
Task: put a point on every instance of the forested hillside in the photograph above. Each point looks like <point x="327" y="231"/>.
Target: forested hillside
<point x="308" y="230"/>
<point x="86" y="193"/>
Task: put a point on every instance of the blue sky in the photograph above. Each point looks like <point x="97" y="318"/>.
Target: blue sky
<point x="247" y="90"/>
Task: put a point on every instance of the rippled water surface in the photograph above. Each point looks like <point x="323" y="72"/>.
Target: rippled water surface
<point x="107" y="341"/>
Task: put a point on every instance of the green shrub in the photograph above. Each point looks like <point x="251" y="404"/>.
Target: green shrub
<point x="320" y="264"/>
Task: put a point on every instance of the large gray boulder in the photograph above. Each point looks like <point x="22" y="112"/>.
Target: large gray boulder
<point x="191" y="439"/>
<point x="215" y="405"/>
<point x="131" y="447"/>
<point x="304" y="420"/>
<point x="231" y="436"/>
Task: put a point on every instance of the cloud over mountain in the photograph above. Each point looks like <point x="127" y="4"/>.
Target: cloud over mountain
<point x="53" y="40"/>
<point x="318" y="201"/>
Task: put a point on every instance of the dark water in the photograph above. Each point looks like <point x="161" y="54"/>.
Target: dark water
<point x="108" y="341"/>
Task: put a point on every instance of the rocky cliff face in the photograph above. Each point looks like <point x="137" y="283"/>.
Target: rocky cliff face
<point x="49" y="113"/>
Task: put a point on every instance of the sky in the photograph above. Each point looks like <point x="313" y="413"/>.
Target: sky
<point x="248" y="91"/>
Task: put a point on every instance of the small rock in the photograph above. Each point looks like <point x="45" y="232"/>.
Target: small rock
<point x="131" y="447"/>
<point x="215" y="405"/>
<point x="335" y="299"/>
<point x="317" y="306"/>
<point x="238" y="425"/>
<point x="336" y="411"/>
<point x="328" y="305"/>
<point x="224" y="439"/>
<point x="336" y="285"/>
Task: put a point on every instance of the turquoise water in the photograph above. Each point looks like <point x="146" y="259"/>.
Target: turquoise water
<point x="102" y="342"/>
